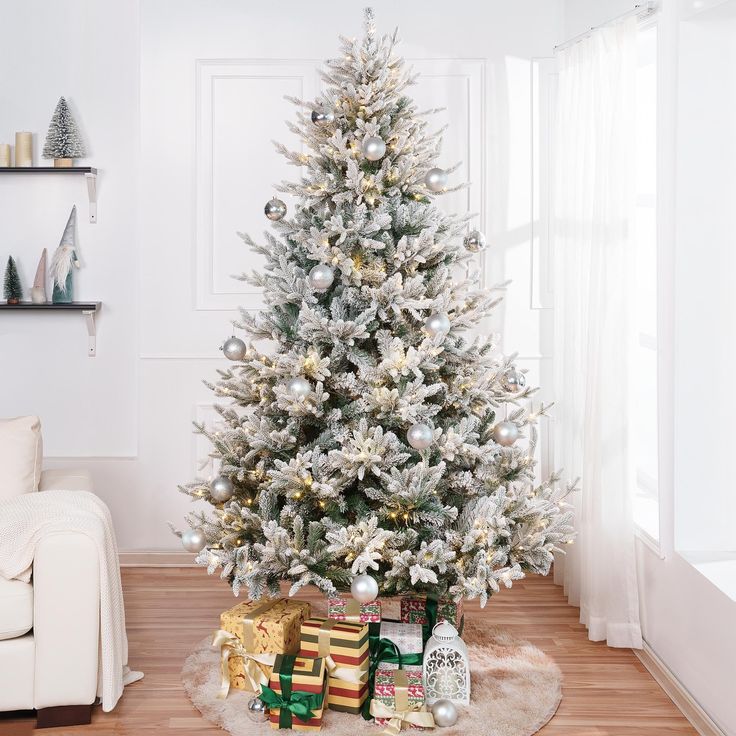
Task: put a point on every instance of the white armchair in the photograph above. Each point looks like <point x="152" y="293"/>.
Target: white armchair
<point x="49" y="628"/>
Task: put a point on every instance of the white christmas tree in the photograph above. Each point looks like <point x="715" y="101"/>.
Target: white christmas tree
<point x="377" y="437"/>
<point x="63" y="139"/>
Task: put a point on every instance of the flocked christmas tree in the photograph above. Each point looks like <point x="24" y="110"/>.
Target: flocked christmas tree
<point x="63" y="141"/>
<point x="378" y="436"/>
<point x="12" y="288"/>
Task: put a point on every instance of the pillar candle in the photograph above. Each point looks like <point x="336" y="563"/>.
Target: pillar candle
<point x="5" y="155"/>
<point x="24" y="149"/>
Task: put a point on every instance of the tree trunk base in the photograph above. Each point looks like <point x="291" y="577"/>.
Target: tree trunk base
<point x="63" y="163"/>
<point x="64" y="715"/>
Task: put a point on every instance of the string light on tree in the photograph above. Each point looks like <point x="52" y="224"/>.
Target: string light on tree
<point x="275" y="209"/>
<point x="374" y="148"/>
<point x="436" y="180"/>
<point x="234" y="348"/>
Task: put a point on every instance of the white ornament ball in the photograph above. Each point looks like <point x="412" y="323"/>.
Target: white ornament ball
<point x="437" y="324"/>
<point x="475" y="241"/>
<point x="321" y="277"/>
<point x="436" y="180"/>
<point x="193" y="540"/>
<point x="275" y="209"/>
<point x="298" y="387"/>
<point x="234" y="348"/>
<point x="323" y="117"/>
<point x="506" y="433"/>
<point x="222" y="489"/>
<point x="257" y="710"/>
<point x="444" y="712"/>
<point x="364" y="588"/>
<point x="420" y="436"/>
<point x="374" y="148"/>
<point x="514" y="380"/>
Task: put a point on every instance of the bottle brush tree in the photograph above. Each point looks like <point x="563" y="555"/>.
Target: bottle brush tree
<point x="63" y="140"/>
<point x="376" y="435"/>
<point x="12" y="288"/>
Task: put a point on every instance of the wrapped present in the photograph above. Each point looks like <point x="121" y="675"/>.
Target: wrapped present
<point x="398" y="700"/>
<point x="344" y="647"/>
<point x="427" y="611"/>
<point x="408" y="641"/>
<point x="270" y="626"/>
<point x="348" y="609"/>
<point x="295" y="695"/>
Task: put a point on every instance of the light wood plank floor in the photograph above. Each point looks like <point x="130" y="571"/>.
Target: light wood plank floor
<point x="607" y="692"/>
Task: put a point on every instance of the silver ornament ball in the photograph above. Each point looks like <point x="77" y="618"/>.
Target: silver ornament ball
<point x="514" y="380"/>
<point x="506" y="433"/>
<point x="321" y="277"/>
<point x="436" y="180"/>
<point x="234" y="348"/>
<point x="437" y="324"/>
<point x="364" y="588"/>
<point x="298" y="387"/>
<point x="475" y="241"/>
<point x="420" y="436"/>
<point x="275" y="209"/>
<point x="193" y="540"/>
<point x="374" y="148"/>
<point x="323" y="117"/>
<point x="222" y="489"/>
<point x="444" y="712"/>
<point x="257" y="710"/>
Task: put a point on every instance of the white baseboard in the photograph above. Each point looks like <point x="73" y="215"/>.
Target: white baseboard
<point x="156" y="559"/>
<point x="677" y="692"/>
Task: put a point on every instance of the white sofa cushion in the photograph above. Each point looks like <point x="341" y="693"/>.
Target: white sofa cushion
<point x="61" y="479"/>
<point x="21" y="456"/>
<point x="16" y="608"/>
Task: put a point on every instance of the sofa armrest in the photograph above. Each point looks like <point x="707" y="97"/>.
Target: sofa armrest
<point x="65" y="480"/>
<point x="66" y="616"/>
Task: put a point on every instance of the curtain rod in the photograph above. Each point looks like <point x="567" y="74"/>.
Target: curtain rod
<point x="641" y="10"/>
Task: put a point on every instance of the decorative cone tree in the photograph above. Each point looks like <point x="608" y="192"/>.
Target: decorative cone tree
<point x="63" y="142"/>
<point x="371" y="440"/>
<point x="13" y="290"/>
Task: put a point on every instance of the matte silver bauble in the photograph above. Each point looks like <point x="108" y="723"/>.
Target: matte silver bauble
<point x="321" y="277"/>
<point x="234" y="348"/>
<point x="323" y="117"/>
<point x="275" y="209"/>
<point x="444" y="712"/>
<point x="374" y="148"/>
<point x="364" y="588"/>
<point x="257" y="710"/>
<point x="475" y="241"/>
<point x="420" y="436"/>
<point x="298" y="387"/>
<point x="514" y="380"/>
<point x="506" y="433"/>
<point x="222" y="489"/>
<point x="437" y="324"/>
<point x="436" y="180"/>
<point x="193" y="540"/>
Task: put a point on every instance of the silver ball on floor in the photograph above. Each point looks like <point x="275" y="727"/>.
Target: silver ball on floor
<point x="444" y="712"/>
<point x="257" y="710"/>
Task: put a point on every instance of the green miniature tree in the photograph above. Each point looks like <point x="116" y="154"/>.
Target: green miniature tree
<point x="12" y="286"/>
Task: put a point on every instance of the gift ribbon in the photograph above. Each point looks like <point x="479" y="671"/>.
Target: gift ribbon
<point x="230" y="646"/>
<point x="346" y="674"/>
<point x="290" y="702"/>
<point x="249" y="622"/>
<point x="352" y="611"/>
<point x="402" y="712"/>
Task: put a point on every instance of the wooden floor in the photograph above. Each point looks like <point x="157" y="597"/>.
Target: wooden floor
<point x="606" y="691"/>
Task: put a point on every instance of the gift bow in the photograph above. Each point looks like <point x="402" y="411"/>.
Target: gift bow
<point x="230" y="646"/>
<point x="412" y="715"/>
<point x="298" y="703"/>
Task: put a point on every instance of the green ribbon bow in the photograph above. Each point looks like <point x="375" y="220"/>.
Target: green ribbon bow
<point x="290" y="703"/>
<point x="383" y="650"/>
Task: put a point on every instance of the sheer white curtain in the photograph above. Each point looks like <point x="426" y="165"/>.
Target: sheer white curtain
<point x="594" y="189"/>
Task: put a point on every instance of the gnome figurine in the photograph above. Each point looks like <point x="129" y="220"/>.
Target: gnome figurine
<point x="64" y="261"/>
<point x="38" y="290"/>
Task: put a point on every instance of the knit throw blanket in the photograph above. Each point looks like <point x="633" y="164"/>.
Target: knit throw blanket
<point x="28" y="518"/>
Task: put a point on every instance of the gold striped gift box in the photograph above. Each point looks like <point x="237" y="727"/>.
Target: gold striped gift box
<point x="307" y="676"/>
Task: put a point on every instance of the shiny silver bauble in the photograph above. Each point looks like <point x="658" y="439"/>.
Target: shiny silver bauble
<point x="321" y="277"/>
<point x="257" y="710"/>
<point x="222" y="489"/>
<point x="437" y="324"/>
<point x="475" y="241"/>
<point x="275" y="209"/>
<point x="506" y="433"/>
<point x="298" y="387"/>
<point x="234" y="348"/>
<point x="193" y="540"/>
<point x="514" y="380"/>
<point x="444" y="712"/>
<point x="364" y="588"/>
<point x="374" y="148"/>
<point x="420" y="436"/>
<point x="436" y="180"/>
<point x="323" y="117"/>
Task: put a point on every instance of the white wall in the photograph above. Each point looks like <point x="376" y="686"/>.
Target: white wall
<point x="159" y="259"/>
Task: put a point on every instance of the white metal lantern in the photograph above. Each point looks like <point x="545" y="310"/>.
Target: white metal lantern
<point x="446" y="666"/>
